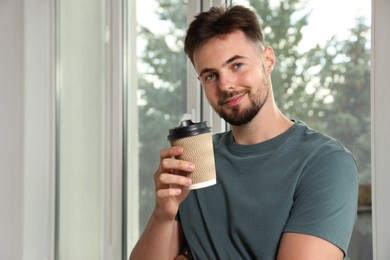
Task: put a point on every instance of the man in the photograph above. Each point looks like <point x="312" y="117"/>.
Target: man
<point x="284" y="191"/>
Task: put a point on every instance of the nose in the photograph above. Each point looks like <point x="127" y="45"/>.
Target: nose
<point x="225" y="81"/>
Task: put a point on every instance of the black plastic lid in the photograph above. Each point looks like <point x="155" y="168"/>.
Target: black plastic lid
<point x="188" y="128"/>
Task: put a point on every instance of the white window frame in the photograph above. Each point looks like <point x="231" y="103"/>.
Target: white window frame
<point x="131" y="168"/>
<point x="380" y="125"/>
<point x="115" y="175"/>
<point x="197" y="104"/>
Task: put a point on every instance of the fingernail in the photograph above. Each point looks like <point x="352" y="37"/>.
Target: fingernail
<point x="189" y="181"/>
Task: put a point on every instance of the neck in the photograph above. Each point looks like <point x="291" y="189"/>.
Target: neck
<point x="268" y="123"/>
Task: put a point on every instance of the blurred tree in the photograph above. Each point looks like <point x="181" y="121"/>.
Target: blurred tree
<point x="342" y="93"/>
<point x="282" y="25"/>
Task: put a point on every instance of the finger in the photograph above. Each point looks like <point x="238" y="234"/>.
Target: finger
<point x="166" y="193"/>
<point x="174" y="179"/>
<point x="174" y="164"/>
<point x="171" y="152"/>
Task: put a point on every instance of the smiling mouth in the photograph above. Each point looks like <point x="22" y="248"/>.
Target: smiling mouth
<point x="233" y="101"/>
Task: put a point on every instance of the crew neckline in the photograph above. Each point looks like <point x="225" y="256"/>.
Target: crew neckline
<point x="265" y="145"/>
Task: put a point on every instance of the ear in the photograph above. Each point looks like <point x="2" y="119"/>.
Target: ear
<point x="269" y="59"/>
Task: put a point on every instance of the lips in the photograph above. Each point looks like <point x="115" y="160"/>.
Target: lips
<point x="234" y="100"/>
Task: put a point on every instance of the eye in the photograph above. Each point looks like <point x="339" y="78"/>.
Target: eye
<point x="209" y="77"/>
<point x="238" y="65"/>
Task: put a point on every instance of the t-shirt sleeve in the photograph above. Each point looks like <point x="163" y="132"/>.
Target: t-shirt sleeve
<point x="325" y="199"/>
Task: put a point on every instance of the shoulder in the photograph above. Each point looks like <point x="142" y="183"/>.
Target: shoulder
<point x="221" y="138"/>
<point x="318" y="145"/>
<point x="325" y="197"/>
<point x="324" y="157"/>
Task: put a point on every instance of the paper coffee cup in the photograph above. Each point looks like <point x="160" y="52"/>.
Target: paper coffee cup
<point x="196" y="138"/>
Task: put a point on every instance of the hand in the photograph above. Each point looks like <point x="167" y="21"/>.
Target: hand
<point x="171" y="188"/>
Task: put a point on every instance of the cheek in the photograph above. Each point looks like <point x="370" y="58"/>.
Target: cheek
<point x="211" y="95"/>
<point x="260" y="78"/>
<point x="249" y="81"/>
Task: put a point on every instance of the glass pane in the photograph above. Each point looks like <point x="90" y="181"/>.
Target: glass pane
<point x="80" y="106"/>
<point x="322" y="77"/>
<point x="160" y="96"/>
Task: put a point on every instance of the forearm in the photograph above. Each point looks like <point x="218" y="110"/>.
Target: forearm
<point x="158" y="241"/>
<point x="163" y="238"/>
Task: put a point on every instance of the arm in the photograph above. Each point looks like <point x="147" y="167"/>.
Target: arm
<point x="162" y="238"/>
<point x="324" y="211"/>
<point x="306" y="247"/>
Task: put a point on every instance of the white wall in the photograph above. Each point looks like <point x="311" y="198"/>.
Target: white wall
<point x="380" y="116"/>
<point x="26" y="132"/>
<point x="11" y="129"/>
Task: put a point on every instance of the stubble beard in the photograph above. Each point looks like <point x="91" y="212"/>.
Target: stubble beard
<point x="238" y="116"/>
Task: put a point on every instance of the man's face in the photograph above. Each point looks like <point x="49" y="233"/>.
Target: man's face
<point x="232" y="73"/>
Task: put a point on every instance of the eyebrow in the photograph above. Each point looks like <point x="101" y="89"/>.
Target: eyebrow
<point x="235" y="57"/>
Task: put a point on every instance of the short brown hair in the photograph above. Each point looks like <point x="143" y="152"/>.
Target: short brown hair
<point x="220" y="21"/>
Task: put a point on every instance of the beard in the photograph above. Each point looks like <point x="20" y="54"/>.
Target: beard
<point x="237" y="116"/>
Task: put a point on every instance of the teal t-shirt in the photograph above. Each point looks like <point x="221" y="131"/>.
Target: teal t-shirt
<point x="300" y="181"/>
